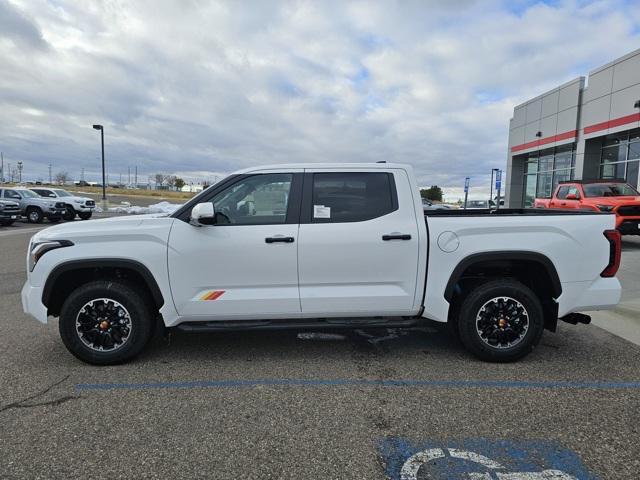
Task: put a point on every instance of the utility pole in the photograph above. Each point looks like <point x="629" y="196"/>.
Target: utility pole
<point x="1" y="167"/>
<point x="136" y="177"/>
<point x="50" y="179"/>
<point x="129" y="176"/>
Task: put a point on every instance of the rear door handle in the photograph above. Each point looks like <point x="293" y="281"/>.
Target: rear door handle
<point x="396" y="236"/>
<point x="279" y="239"/>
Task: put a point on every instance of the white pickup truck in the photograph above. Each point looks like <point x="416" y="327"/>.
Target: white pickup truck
<point x="321" y="246"/>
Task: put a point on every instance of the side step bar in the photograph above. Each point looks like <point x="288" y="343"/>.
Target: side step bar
<point x="297" y="324"/>
<point x="575" y="318"/>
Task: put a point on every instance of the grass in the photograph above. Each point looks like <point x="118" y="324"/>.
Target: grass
<point x="134" y="193"/>
<point x="114" y="191"/>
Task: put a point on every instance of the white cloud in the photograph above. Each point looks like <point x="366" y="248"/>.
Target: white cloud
<point x="204" y="87"/>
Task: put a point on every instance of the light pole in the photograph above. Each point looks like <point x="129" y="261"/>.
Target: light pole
<point x="101" y="128"/>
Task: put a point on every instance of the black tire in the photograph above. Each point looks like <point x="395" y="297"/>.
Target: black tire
<point x="84" y="215"/>
<point x="6" y="223"/>
<point x="518" y="306"/>
<point x="128" y="296"/>
<point x="34" y="215"/>
<point x="69" y="213"/>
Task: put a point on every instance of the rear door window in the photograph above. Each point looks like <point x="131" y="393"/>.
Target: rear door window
<point x="352" y="196"/>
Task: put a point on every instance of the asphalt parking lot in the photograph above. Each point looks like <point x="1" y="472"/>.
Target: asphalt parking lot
<point x="325" y="406"/>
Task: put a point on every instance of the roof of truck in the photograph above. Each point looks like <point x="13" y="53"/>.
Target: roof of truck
<point x="309" y="166"/>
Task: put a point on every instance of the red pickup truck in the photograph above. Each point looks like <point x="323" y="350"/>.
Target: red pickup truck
<point x="602" y="196"/>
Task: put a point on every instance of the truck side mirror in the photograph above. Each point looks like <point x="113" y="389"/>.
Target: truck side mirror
<point x="202" y="214"/>
<point x="571" y="196"/>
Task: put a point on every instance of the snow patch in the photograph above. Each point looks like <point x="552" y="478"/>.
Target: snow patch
<point x="126" y="207"/>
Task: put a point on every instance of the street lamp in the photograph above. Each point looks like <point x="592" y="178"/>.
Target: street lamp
<point x="104" y="194"/>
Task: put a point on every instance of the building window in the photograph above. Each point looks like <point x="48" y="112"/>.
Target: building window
<point x="544" y="169"/>
<point x="620" y="156"/>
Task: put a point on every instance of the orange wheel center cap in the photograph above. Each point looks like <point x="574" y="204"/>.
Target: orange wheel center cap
<point x="104" y="325"/>
<point x="502" y="323"/>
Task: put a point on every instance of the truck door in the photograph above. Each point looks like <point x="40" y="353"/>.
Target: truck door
<point x="245" y="266"/>
<point x="358" y="243"/>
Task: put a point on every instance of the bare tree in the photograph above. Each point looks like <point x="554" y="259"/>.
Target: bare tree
<point x="62" y="177"/>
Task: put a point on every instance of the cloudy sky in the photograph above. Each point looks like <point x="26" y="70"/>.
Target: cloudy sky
<point x="203" y="88"/>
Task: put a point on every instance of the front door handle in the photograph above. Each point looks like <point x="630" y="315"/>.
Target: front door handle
<point x="279" y="239"/>
<point x="396" y="236"/>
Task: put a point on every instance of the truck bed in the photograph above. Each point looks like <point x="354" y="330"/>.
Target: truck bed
<point x="507" y="212"/>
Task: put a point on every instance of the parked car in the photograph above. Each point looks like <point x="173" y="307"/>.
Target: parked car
<point x="9" y="212"/>
<point x="33" y="206"/>
<point x="615" y="197"/>
<point x="321" y="246"/>
<point x="429" y="205"/>
<point x="82" y="206"/>
<point x="478" y="204"/>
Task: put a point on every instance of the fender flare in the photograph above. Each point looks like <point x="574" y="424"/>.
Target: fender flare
<point x="102" y="263"/>
<point x="547" y="264"/>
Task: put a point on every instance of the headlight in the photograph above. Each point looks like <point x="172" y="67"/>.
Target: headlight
<point x="605" y="208"/>
<point x="38" y="249"/>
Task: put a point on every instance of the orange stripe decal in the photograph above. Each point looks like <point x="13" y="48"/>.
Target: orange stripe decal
<point x="212" y="295"/>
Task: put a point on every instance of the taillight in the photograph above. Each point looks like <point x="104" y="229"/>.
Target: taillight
<point x="615" y="251"/>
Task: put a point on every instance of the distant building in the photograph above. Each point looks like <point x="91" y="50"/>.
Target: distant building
<point x="577" y="132"/>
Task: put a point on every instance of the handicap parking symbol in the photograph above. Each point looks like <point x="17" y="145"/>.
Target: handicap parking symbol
<point x="480" y="459"/>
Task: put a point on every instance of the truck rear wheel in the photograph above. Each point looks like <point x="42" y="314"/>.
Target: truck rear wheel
<point x="501" y="321"/>
<point x="84" y="215"/>
<point x="105" y="322"/>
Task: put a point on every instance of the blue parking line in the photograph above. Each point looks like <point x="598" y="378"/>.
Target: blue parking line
<point x="358" y="382"/>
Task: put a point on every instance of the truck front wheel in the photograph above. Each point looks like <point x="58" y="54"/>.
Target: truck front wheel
<point x="501" y="321"/>
<point x="105" y="322"/>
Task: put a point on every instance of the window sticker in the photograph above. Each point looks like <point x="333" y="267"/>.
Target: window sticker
<point x="320" y="211"/>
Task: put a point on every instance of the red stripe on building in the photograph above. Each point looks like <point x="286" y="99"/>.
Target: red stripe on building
<point x="616" y="122"/>
<point x="546" y="140"/>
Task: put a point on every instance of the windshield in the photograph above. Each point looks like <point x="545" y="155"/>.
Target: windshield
<point x="477" y="203"/>
<point x="62" y="193"/>
<point x="609" y="190"/>
<point x="29" y="194"/>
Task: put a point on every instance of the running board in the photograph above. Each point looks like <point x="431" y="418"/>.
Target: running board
<point x="297" y="324"/>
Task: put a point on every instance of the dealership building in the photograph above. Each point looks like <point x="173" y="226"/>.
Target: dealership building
<point x="585" y="129"/>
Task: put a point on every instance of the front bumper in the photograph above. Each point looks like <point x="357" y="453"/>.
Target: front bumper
<point x="629" y="226"/>
<point x="54" y="212"/>
<point x="9" y="215"/>
<point x="32" y="302"/>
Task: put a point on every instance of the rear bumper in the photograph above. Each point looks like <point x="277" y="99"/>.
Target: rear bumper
<point x="32" y="302"/>
<point x="600" y="294"/>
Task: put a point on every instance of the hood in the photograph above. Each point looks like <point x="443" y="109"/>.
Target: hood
<point x="118" y="226"/>
<point x="74" y="199"/>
